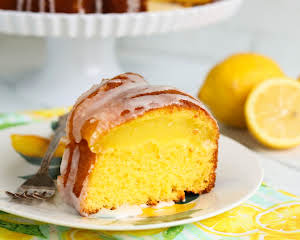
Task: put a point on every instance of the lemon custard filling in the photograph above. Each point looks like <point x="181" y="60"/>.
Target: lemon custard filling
<point x="161" y="154"/>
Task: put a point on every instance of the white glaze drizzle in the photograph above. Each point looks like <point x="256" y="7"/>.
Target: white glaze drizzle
<point x="164" y="204"/>
<point x="133" y="5"/>
<point x="20" y="4"/>
<point x="99" y="6"/>
<point x="64" y="162"/>
<point x="67" y="190"/>
<point x="82" y="111"/>
<point x="107" y="106"/>
<point x="123" y="211"/>
<point x="52" y="6"/>
<point x="80" y="6"/>
<point x="42" y="5"/>
<point x="28" y="5"/>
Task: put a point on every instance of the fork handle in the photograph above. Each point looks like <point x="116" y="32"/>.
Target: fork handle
<point x="59" y="132"/>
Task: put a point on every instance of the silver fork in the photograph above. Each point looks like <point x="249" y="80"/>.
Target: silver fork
<point x="41" y="186"/>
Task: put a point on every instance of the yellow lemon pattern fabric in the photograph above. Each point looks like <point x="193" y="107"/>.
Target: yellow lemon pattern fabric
<point x="239" y="221"/>
<point x="281" y="219"/>
<point x="10" y="235"/>
<point x="268" y="215"/>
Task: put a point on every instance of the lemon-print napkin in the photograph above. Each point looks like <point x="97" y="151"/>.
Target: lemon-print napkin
<point x="270" y="214"/>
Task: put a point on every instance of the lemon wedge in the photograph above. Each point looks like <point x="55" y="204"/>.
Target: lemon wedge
<point x="272" y="113"/>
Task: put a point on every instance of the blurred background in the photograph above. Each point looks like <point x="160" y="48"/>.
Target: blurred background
<point x="270" y="27"/>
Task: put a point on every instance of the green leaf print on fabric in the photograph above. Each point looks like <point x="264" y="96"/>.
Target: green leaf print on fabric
<point x="33" y="230"/>
<point x="106" y="237"/>
<point x="13" y="119"/>
<point x="8" y="125"/>
<point x="45" y="230"/>
<point x="172" y="232"/>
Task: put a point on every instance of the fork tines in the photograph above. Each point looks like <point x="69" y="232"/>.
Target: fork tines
<point x="27" y="196"/>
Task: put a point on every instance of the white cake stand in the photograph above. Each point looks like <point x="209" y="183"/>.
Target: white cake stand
<point x="81" y="47"/>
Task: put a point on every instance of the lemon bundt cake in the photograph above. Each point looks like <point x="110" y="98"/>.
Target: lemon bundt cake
<point x="75" y="6"/>
<point x="131" y="143"/>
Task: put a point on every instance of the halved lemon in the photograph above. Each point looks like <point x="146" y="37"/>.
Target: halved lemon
<point x="272" y="113"/>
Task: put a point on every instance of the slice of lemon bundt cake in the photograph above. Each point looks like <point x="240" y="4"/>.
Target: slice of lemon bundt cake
<point x="133" y="143"/>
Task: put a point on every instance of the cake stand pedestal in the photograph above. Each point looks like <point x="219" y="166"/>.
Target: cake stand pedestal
<point x="72" y="66"/>
<point x="81" y="47"/>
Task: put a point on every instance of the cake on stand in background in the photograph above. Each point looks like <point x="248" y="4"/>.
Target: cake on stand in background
<point x="75" y="6"/>
<point x="81" y="47"/>
<point x="95" y="6"/>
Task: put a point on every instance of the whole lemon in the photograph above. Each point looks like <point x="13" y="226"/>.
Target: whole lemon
<point x="228" y="84"/>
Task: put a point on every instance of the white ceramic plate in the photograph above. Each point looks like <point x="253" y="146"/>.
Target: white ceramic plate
<point x="239" y="175"/>
<point x="115" y="25"/>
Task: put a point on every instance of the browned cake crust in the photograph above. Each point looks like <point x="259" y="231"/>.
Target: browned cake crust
<point x="75" y="6"/>
<point x="87" y="158"/>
